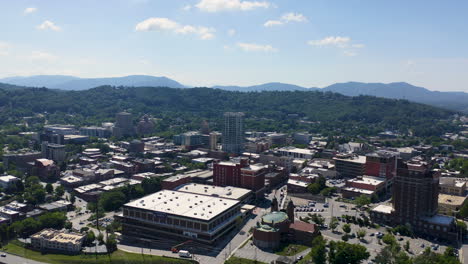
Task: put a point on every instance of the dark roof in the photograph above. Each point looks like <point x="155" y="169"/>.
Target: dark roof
<point x="302" y="226"/>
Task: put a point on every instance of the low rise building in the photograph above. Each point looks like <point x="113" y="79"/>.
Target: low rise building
<point x="453" y="186"/>
<point x="363" y="185"/>
<point x="7" y="181"/>
<point x="297" y="153"/>
<point x="240" y="194"/>
<point x="181" y="215"/>
<point x="57" y="241"/>
<point x="349" y="166"/>
<point x="450" y="204"/>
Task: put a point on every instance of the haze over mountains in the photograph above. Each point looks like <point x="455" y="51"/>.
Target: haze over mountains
<point x="399" y="90"/>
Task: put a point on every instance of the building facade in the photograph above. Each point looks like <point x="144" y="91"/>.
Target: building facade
<point x="233" y="133"/>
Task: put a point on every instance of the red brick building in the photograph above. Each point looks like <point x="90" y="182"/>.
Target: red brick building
<point x="381" y="163"/>
<point x="240" y="174"/>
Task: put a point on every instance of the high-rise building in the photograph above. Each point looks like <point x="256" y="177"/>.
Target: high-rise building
<point x="123" y="125"/>
<point x="233" y="133"/>
<point x="214" y="138"/>
<point x="415" y="191"/>
<point x="415" y="202"/>
<point x="381" y="163"/>
<point x="52" y="151"/>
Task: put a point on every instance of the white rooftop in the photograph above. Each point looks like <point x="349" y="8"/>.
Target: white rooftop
<point x="298" y="183"/>
<point x="368" y="180"/>
<point x="184" y="204"/>
<point x="386" y="209"/>
<point x="357" y="190"/>
<point x="215" y="191"/>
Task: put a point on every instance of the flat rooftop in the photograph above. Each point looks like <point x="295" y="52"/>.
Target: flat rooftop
<point x="298" y="150"/>
<point x="386" y="209"/>
<point x="368" y="180"/>
<point x="358" y="190"/>
<point x="298" y="183"/>
<point x="215" y="191"/>
<point x="451" y="199"/>
<point x="355" y="159"/>
<point x="183" y="204"/>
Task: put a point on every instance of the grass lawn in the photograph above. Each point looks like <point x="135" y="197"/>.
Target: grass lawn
<point x="290" y="249"/>
<point x="118" y="257"/>
<point x="236" y="260"/>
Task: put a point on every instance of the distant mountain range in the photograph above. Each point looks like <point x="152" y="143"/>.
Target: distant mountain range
<point x="399" y="90"/>
<point x="64" y="82"/>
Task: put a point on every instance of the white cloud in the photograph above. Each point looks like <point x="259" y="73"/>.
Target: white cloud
<point x="293" y="17"/>
<point x="48" y="25"/>
<point x="187" y="7"/>
<point x="223" y="5"/>
<point x="4" y="48"/>
<point x="231" y="32"/>
<point x="349" y="53"/>
<point x="358" y="46"/>
<point x="341" y="42"/>
<point x="271" y="23"/>
<point x="286" y="18"/>
<point x="42" y="56"/>
<point x="29" y="10"/>
<point x="165" y="24"/>
<point x="256" y="47"/>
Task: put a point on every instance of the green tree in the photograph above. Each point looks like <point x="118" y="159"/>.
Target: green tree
<point x="319" y="251"/>
<point x="361" y="233"/>
<point x="346" y="228"/>
<point x="362" y="200"/>
<point x="100" y="238"/>
<point x="334" y="223"/>
<point x="59" y="191"/>
<point x="111" y="201"/>
<point x="54" y="220"/>
<point x="49" y="188"/>
<point x="345" y="253"/>
<point x="151" y="185"/>
<point x="389" y="239"/>
<point x="392" y="254"/>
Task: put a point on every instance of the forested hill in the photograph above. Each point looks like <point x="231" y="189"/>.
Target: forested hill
<point x="276" y="110"/>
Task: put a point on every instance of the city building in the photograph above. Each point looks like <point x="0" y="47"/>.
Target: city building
<point x="145" y="126"/>
<point x="233" y="133"/>
<point x="277" y="139"/>
<point x="277" y="227"/>
<point x="123" y="125"/>
<point x="302" y="138"/>
<point x="45" y="169"/>
<point x="363" y="185"/>
<point x="349" y="165"/>
<point x="239" y="173"/>
<point x="94" y="131"/>
<point x="415" y="202"/>
<point x="454" y="186"/>
<point x="181" y="215"/>
<point x="214" y="139"/>
<point x="450" y="204"/>
<point x="297" y="153"/>
<point x="57" y="241"/>
<point x="189" y="140"/>
<point x="8" y="181"/>
<point x="20" y="158"/>
<point x="381" y="163"/>
<point x="52" y="151"/>
<point x="229" y="192"/>
<point x="136" y="146"/>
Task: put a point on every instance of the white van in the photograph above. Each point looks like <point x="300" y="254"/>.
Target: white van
<point x="184" y="254"/>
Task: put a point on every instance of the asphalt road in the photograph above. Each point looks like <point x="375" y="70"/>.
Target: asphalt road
<point x="12" y="259"/>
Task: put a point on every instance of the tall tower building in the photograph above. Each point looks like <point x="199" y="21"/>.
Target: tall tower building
<point x="123" y="125"/>
<point x="233" y="133"/>
<point x="415" y="191"/>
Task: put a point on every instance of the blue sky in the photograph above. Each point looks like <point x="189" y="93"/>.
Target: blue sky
<point x="312" y="43"/>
